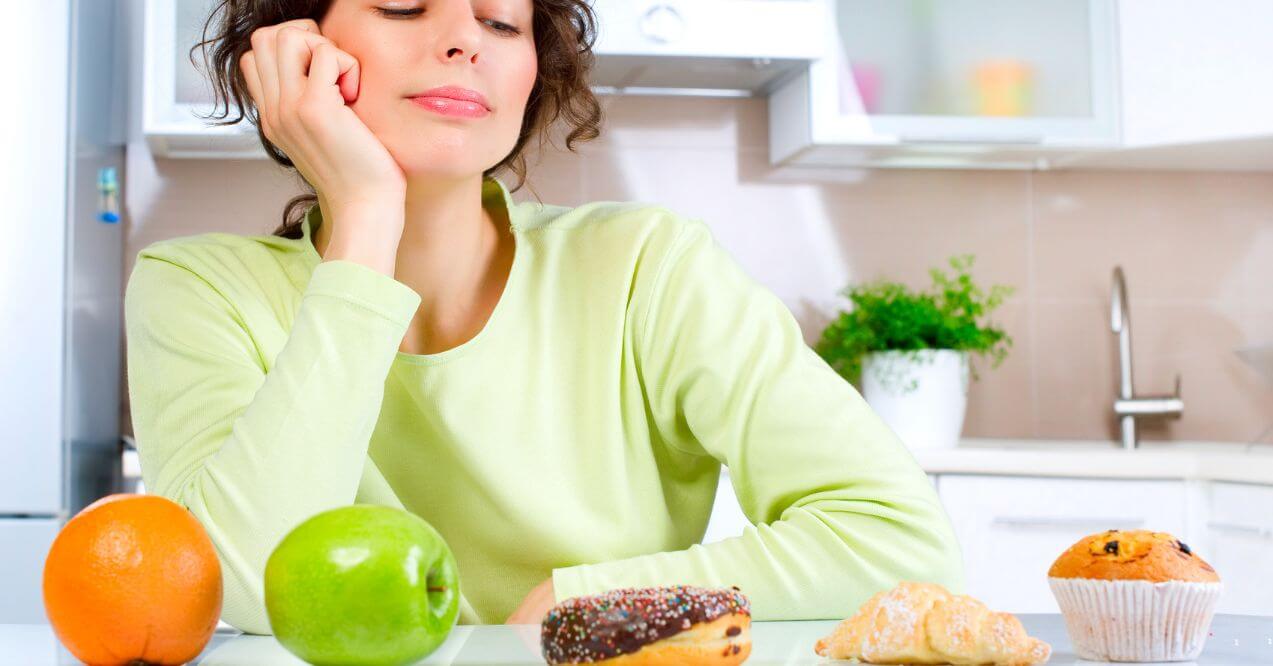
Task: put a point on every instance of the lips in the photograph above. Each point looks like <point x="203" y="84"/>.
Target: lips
<point x="455" y="93"/>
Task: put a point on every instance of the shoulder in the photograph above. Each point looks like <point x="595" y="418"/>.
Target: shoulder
<point x="226" y="257"/>
<point x="648" y="234"/>
<point x="229" y="268"/>
<point x="216" y="251"/>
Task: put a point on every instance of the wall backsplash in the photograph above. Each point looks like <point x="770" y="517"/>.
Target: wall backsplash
<point x="1197" y="249"/>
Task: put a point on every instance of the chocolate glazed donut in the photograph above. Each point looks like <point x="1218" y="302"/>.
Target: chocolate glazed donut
<point x="679" y="624"/>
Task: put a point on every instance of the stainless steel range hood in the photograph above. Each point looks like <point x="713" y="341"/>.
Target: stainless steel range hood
<point x="704" y="47"/>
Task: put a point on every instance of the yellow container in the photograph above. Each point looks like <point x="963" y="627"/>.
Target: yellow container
<point x="1004" y="87"/>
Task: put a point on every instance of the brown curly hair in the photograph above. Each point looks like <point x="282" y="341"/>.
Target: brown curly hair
<point x="564" y="32"/>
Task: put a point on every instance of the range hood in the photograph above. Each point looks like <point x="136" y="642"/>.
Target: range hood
<point x="704" y="47"/>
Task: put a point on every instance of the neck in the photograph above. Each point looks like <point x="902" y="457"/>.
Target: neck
<point x="451" y="247"/>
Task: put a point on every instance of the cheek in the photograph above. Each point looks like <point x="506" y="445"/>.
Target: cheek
<point x="524" y="80"/>
<point x="377" y="95"/>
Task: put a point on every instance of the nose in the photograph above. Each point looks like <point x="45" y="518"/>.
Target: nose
<point x="459" y="33"/>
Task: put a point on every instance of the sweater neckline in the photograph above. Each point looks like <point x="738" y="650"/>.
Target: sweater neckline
<point x="494" y="191"/>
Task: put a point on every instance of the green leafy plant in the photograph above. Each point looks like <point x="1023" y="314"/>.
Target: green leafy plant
<point x="887" y="316"/>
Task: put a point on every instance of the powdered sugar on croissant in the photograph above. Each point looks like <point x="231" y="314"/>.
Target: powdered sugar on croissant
<point x="922" y="623"/>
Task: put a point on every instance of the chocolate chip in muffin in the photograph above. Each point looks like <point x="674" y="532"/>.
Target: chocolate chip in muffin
<point x="733" y="631"/>
<point x="1183" y="546"/>
<point x="1111" y="547"/>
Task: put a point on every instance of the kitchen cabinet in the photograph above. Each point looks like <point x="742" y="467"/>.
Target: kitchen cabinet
<point x="957" y="83"/>
<point x="702" y="47"/>
<point x="1239" y="544"/>
<point x="1011" y="529"/>
<point x="175" y="95"/>
<point x="1196" y="86"/>
<point x="1012" y="526"/>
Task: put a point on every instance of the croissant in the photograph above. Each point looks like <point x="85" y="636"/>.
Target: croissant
<point x="922" y="623"/>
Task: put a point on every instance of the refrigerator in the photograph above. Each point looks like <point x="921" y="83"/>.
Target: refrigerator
<point x="62" y="128"/>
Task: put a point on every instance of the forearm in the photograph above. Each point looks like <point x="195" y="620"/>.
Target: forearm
<point x="253" y="455"/>
<point x="820" y="560"/>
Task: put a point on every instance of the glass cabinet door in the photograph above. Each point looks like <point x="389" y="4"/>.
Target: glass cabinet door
<point x="1040" y="72"/>
<point x="190" y="85"/>
<point x="176" y="94"/>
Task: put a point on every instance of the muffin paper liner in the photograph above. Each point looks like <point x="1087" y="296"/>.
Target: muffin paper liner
<point x="1136" y="620"/>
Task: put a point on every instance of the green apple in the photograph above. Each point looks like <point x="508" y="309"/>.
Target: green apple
<point x="362" y="584"/>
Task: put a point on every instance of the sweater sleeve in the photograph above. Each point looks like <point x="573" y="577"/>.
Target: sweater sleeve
<point x="839" y="507"/>
<point x="250" y="452"/>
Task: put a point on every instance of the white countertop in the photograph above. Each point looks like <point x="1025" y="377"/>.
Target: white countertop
<point x="1208" y="461"/>
<point x="1236" y="640"/>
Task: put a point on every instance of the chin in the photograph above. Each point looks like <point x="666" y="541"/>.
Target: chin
<point x="451" y="162"/>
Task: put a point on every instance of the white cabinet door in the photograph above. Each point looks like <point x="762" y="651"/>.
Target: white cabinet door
<point x="26" y="543"/>
<point x="1240" y="535"/>
<point x="1011" y="529"/>
<point x="1191" y="75"/>
<point x="1196" y="87"/>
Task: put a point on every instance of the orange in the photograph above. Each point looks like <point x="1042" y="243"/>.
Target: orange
<point x="133" y="578"/>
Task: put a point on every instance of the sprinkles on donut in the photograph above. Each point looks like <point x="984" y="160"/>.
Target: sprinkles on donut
<point x="665" y="624"/>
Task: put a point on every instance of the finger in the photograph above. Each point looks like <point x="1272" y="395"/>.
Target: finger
<point x="247" y="65"/>
<point x="266" y="69"/>
<point x="293" y="49"/>
<point x="332" y="66"/>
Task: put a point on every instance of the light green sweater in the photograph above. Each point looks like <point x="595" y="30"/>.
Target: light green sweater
<point x="580" y="434"/>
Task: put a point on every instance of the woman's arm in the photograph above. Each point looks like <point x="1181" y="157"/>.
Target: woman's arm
<point x="253" y="450"/>
<point x="840" y="508"/>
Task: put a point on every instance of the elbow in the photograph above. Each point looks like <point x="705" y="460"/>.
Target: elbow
<point x="243" y="598"/>
<point x="933" y="549"/>
<point x="244" y="611"/>
<point x="942" y="561"/>
<point x="242" y="581"/>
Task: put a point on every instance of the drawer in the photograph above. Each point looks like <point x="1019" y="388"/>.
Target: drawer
<point x="1011" y="529"/>
<point x="26" y="544"/>
<point x="1240" y="545"/>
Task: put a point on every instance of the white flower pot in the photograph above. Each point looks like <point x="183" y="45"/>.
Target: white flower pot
<point x="922" y="394"/>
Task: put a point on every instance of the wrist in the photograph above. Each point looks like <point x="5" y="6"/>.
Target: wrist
<point x="372" y="240"/>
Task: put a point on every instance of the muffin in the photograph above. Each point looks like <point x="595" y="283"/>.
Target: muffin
<point x="1135" y="595"/>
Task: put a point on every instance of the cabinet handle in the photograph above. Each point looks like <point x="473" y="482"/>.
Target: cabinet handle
<point x="1091" y="524"/>
<point x="1245" y="530"/>
<point x="1023" y="139"/>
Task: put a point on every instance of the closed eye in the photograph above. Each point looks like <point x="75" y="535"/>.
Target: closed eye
<point x="415" y="11"/>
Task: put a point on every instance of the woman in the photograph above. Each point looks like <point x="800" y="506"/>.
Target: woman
<point x="554" y="389"/>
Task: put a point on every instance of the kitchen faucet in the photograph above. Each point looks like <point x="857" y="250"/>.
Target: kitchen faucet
<point x="1127" y="405"/>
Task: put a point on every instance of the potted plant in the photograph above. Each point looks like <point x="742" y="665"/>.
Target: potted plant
<point x="909" y="350"/>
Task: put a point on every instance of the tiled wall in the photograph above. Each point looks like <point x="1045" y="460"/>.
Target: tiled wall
<point x="1197" y="249"/>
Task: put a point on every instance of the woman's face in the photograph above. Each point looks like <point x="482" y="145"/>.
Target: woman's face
<point x="431" y="43"/>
